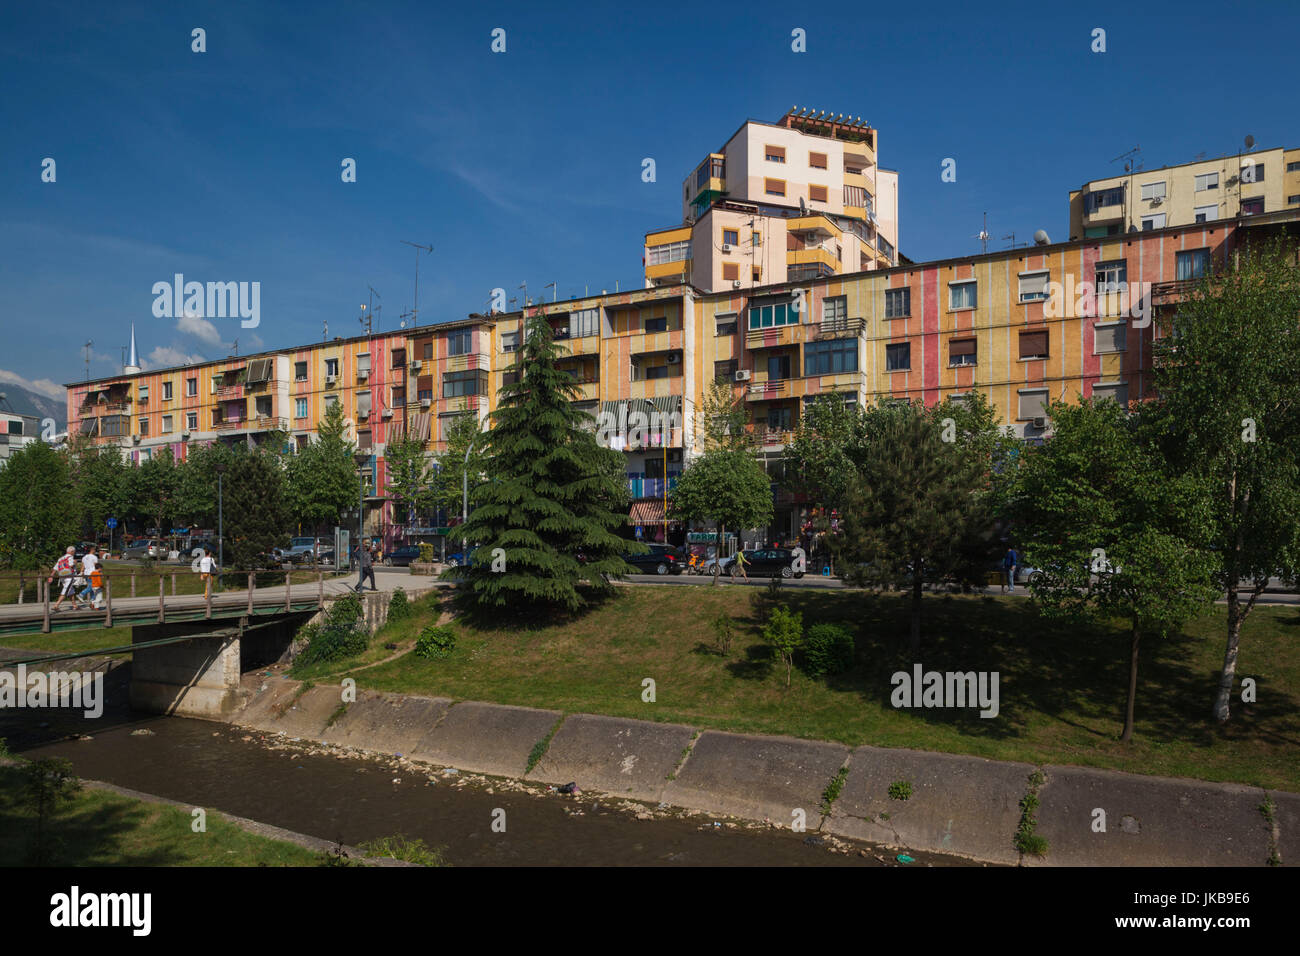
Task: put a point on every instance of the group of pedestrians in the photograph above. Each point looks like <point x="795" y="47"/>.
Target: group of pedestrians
<point x="89" y="578"/>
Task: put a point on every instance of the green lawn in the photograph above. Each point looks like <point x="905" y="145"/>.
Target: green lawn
<point x="97" y="828"/>
<point x="1062" y="688"/>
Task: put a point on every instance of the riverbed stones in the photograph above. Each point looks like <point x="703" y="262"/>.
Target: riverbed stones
<point x="486" y="738"/>
<point x="632" y="758"/>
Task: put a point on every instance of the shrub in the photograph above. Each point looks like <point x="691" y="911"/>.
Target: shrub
<point x="724" y="631"/>
<point x="346" y="610"/>
<point x="900" y="790"/>
<point x="827" y="649"/>
<point x="426" y="552"/>
<point x="784" y="631"/>
<point x="399" y="608"/>
<point x="435" y="641"/>
<point x="334" y="641"/>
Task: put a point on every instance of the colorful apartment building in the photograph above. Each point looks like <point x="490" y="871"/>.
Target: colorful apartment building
<point x="1243" y="184"/>
<point x="799" y="199"/>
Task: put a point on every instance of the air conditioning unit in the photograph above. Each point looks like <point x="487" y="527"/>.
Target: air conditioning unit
<point x="726" y="247"/>
<point x="426" y="402"/>
<point x="674" y="358"/>
<point x="185" y="435"/>
<point x="363" y="374"/>
<point x="1040" y="422"/>
<point x="416" y="365"/>
<point x="329" y="379"/>
<point x="136" y="439"/>
<point x="742" y="375"/>
<point x="735" y="283"/>
<point x="387" y="413"/>
<point x="1158" y="200"/>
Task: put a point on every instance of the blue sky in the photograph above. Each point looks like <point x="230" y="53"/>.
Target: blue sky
<point x="526" y="166"/>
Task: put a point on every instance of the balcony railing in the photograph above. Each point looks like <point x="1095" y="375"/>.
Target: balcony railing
<point x="650" y="487"/>
<point x="776" y="436"/>
<point x="775" y="388"/>
<point x="259" y="423"/>
<point x="840" y="328"/>
<point x="1162" y="292"/>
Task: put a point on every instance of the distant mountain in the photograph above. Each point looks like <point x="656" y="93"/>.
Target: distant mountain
<point x="23" y="401"/>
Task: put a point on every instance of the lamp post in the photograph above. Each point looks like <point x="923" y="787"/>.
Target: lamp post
<point x="361" y="459"/>
<point x="220" y="469"/>
<point x="464" y="506"/>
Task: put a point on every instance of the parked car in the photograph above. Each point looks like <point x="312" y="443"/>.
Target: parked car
<point x="662" y="559"/>
<point x="401" y="557"/>
<point x="301" y="549"/>
<point x="456" y="558"/>
<point x="764" y="562"/>
<point x="145" y="548"/>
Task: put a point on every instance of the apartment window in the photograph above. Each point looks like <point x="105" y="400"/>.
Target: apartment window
<point x="656" y="371"/>
<point x="816" y="193"/>
<point x="300" y="408"/>
<point x="191" y="421"/>
<point x="669" y="252"/>
<point x="456" y="384"/>
<point x="775" y="154"/>
<point x="1117" y="392"/>
<point x="725" y="324"/>
<point x="584" y="323"/>
<point x="1111" y="276"/>
<point x="898" y="357"/>
<point x="509" y="341"/>
<point x="1033" y="286"/>
<point x="458" y="342"/>
<point x="756" y="238"/>
<point x="144" y="427"/>
<point x="1033" y="345"/>
<point x="1252" y="172"/>
<point x="1033" y="403"/>
<point x="428" y="351"/>
<point x="771" y="316"/>
<point x="144" y="394"/>
<point x="730" y="272"/>
<point x="509" y="378"/>
<point x="399" y="397"/>
<point x="855" y="196"/>
<point x="1293" y="167"/>
<point x="778" y="368"/>
<point x="756" y="275"/>
<point x="300" y="371"/>
<point x="817" y="160"/>
<point x="1253" y="206"/>
<point x="962" y="295"/>
<point x="730" y="237"/>
<point x="191" y="387"/>
<point x="780" y="419"/>
<point x="1153" y="191"/>
<point x="657" y="324"/>
<point x="398" y="359"/>
<point x="1104" y="197"/>
<point x="332" y="366"/>
<point x="262" y="405"/>
<point x="774" y="187"/>
<point x="423" y="394"/>
<point x="898" y="303"/>
<point x="363" y="404"/>
<point x="1207" y="181"/>
<point x="1206" y="213"/>
<point x="961" y="352"/>
<point x="835" y="312"/>
<point x="1153" y="222"/>
<point x="331" y="401"/>
<point x="1111" y="337"/>
<point x="830" y="357"/>
<point x="1293" y="200"/>
<point x="166" y="425"/>
<point x="167" y="391"/>
<point x="1192" y="264"/>
<point x="724" y="371"/>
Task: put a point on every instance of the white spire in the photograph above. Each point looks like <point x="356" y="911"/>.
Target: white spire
<point x="132" y="366"/>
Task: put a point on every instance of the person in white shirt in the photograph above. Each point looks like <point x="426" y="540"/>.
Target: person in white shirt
<point x="64" y="573"/>
<point x="90" y="568"/>
<point x="206" y="567"/>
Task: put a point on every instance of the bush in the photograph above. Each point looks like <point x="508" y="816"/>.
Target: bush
<point x="724" y="632"/>
<point x="399" y="608"/>
<point x="346" y="610"/>
<point x="333" y="641"/>
<point x="426" y="552"/>
<point x="784" y="631"/>
<point x="435" y="641"/>
<point x="827" y="649"/>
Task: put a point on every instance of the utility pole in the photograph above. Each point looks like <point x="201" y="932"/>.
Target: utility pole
<point x="415" y="311"/>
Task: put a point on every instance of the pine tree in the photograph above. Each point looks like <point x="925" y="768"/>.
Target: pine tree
<point x="255" y="510"/>
<point x="544" y="518"/>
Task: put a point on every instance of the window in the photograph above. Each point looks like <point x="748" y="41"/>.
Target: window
<point x="961" y="352"/>
<point x="509" y="341"/>
<point x="816" y="193"/>
<point x="1252" y="172"/>
<point x="730" y="237"/>
<point x="510" y="378"/>
<point x="1033" y="403"/>
<point x="428" y="351"/>
<point x="725" y="324"/>
<point x="1207" y="181"/>
<point x="756" y="274"/>
<point x="669" y="252"/>
<point x="455" y="384"/>
<point x="656" y="371"/>
<point x="399" y="398"/>
<point x="1104" y="197"/>
<point x="1033" y="286"/>
<point x="1293" y="167"/>
<point x="1117" y="392"/>
<point x="855" y="196"/>
<point x="300" y="371"/>
<point x="1153" y="191"/>
<point x="300" y="408"/>
<point x="962" y="295"/>
<point x="144" y="427"/>
<point x="835" y="313"/>
<point x="730" y="272"/>
<point x="898" y="302"/>
<point x="1033" y="345"/>
<point x="1293" y="200"/>
<point x="1192" y="264"/>
<point x="830" y="357"/>
<point x="898" y="357"/>
<point x="1153" y="222"/>
<point x="398" y="359"/>
<point x="167" y="391"/>
<point x="144" y="394"/>
<point x="780" y="419"/>
<point x="657" y="324"/>
<point x="1111" y="276"/>
<point x="166" y="425"/>
<point x="584" y="323"/>
<point x="775" y="154"/>
<point x="191" y="421"/>
<point x="262" y="405"/>
<point x="330" y="401"/>
<point x="1253" y="206"/>
<point x="817" y="160"/>
<point x="724" y="371"/>
<point x="458" y="342"/>
<point x="363" y="404"/>
<point x="771" y="316"/>
<point x="191" y="387"/>
<point x="423" y="394"/>
<point x="756" y="238"/>
<point x="1207" y="213"/>
<point x="363" y="364"/>
<point x="778" y="368"/>
<point x="332" y="366"/>
<point x="774" y="187"/>
<point x="1111" y="337"/>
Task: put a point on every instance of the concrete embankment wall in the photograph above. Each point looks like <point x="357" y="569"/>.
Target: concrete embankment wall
<point x="962" y="805"/>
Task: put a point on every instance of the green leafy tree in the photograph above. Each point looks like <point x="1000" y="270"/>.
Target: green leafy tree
<point x="409" y="482"/>
<point x="464" y="435"/>
<point x="545" y="516"/>
<point x="1113" y="530"/>
<point x="784" y="631"/>
<point x="256" y="514"/>
<point x="724" y="419"/>
<point x="101" y="484"/>
<point x="36" y="521"/>
<point x="727" y="487"/>
<point x="49" y="786"/>
<point x="197" y="484"/>
<point x="1226" y="367"/>
<point x="154" y="488"/>
<point x="321" y="479"/>
<point x="823" y="456"/>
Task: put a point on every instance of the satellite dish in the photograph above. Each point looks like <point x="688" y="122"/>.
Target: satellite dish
<point x="803" y="206"/>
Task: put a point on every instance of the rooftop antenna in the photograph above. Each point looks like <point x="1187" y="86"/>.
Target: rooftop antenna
<point x="415" y="311"/>
<point x="89" y="344"/>
<point x="325" y="333"/>
<point x="236" y="348"/>
<point x="524" y="286"/>
<point x="983" y="234"/>
<point x="1012" y="237"/>
<point x="555" y="296"/>
<point x="1130" y="162"/>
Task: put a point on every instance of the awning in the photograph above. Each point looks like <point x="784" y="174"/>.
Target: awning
<point x="646" y="512"/>
<point x="259" y="370"/>
<point x="419" y="427"/>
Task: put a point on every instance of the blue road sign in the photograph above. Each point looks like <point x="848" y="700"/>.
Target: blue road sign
<point x="112" y="522"/>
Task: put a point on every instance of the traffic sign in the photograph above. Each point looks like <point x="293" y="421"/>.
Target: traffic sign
<point x="112" y="522"/>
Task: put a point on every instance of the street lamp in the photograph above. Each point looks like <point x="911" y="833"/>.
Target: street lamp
<point x="464" y="513"/>
<point x="220" y="469"/>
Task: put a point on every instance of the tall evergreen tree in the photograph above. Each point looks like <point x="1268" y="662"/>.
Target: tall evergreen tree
<point x="256" y="513"/>
<point x="551" y="495"/>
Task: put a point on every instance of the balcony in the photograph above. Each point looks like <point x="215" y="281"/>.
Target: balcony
<point x="841" y="328"/>
<point x="1111" y="212"/>
<point x="1168" y="293"/>
<point x="775" y="437"/>
<point x="261" y="423"/>
<point x="230" y="391"/>
<point x="463" y="363"/>
<point x="774" y="337"/>
<point x="649" y="487"/>
<point x="768" y="390"/>
<point x="818" y="224"/>
<point x="814" y="256"/>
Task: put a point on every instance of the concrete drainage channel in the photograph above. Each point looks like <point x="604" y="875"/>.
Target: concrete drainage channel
<point x="984" y="810"/>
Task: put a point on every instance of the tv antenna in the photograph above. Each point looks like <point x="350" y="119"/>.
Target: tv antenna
<point x="1012" y="237"/>
<point x="555" y="296"/>
<point x="325" y="333"/>
<point x="983" y="234"/>
<point x="1131" y="163"/>
<point x="89" y="344"/>
<point x="415" y="310"/>
<point x="369" y="313"/>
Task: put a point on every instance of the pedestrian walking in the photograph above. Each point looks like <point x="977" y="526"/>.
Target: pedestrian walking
<point x="90" y="572"/>
<point x="1009" y="564"/>
<point x="207" y="570"/>
<point x="367" y="569"/>
<point x="740" y="564"/>
<point x="65" y="574"/>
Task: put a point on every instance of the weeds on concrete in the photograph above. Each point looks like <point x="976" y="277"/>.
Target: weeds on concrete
<point x="407" y="850"/>
<point x="338" y="713"/>
<point x="833" y="789"/>
<point x="1268" y="808"/>
<point x="539" y="749"/>
<point x="686" y="752"/>
<point x="900" y="790"/>
<point x="1027" y="841"/>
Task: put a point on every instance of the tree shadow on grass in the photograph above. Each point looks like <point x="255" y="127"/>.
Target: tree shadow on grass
<point x="756" y="664"/>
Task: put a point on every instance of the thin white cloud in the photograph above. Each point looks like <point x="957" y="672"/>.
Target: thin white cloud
<point x="200" y="328"/>
<point x="41" y="386"/>
<point x="165" y="356"/>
